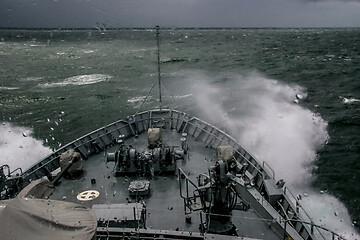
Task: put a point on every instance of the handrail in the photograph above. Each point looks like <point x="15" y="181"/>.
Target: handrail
<point x="9" y="172"/>
<point x="264" y="219"/>
<point x="286" y="189"/>
<point x="303" y="209"/>
<point x="228" y="136"/>
<point x="270" y="168"/>
<point x="316" y="226"/>
<point x="7" y="167"/>
<point x="182" y="173"/>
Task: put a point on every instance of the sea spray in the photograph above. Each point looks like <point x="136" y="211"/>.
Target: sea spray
<point x="18" y="150"/>
<point x="261" y="114"/>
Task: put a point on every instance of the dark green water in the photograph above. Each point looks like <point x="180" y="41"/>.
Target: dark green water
<point x="241" y="79"/>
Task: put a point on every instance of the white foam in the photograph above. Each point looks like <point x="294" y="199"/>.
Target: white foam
<point x="31" y="79"/>
<point x="261" y="114"/>
<point x="79" y="80"/>
<point x="182" y="96"/>
<point x="8" y="88"/>
<point x="349" y="100"/>
<point x="329" y="213"/>
<point x="136" y="99"/>
<point x="18" y="149"/>
<point x="88" y="51"/>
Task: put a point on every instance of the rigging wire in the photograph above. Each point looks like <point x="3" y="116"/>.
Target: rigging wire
<point x="146" y="97"/>
<point x="172" y="96"/>
<point x="158" y="62"/>
<point x="160" y="82"/>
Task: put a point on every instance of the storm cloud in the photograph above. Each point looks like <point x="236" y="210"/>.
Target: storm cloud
<point x="179" y="13"/>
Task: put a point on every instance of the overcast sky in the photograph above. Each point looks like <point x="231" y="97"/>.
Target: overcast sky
<point x="179" y="13"/>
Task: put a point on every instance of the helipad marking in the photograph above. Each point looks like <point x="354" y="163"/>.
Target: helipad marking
<point x="88" y="195"/>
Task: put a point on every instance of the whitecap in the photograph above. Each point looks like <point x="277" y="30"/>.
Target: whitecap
<point x="8" y="88"/>
<point x="31" y="79"/>
<point x="88" y="51"/>
<point x="183" y="96"/>
<point x="136" y="99"/>
<point x="349" y="100"/>
<point x="79" y="80"/>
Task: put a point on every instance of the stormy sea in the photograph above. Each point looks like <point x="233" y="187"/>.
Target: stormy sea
<point x="291" y="97"/>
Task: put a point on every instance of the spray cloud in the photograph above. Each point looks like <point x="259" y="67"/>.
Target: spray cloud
<point x="262" y="114"/>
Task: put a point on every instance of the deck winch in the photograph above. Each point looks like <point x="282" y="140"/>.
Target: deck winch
<point x="160" y="160"/>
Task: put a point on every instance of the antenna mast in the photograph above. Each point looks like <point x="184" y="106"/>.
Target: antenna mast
<point x="158" y="62"/>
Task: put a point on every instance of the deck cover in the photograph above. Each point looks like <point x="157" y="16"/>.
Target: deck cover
<point x="68" y="156"/>
<point x="40" y="219"/>
<point x="39" y="188"/>
<point x="154" y="137"/>
<point x="224" y="152"/>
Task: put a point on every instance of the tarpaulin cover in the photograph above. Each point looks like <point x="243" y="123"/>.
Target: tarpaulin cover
<point x="40" y="219"/>
<point x="78" y="165"/>
<point x="224" y="153"/>
<point x="40" y="188"/>
<point x="154" y="137"/>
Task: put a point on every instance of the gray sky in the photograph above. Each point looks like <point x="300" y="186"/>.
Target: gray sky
<point x="179" y="13"/>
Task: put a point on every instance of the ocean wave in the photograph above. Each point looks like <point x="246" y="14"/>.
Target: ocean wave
<point x="260" y="114"/>
<point x="349" y="100"/>
<point x="79" y="80"/>
<point x="30" y="79"/>
<point x="257" y="110"/>
<point x="182" y="96"/>
<point x="88" y="51"/>
<point x="136" y="99"/>
<point x="139" y="50"/>
<point x="174" y="60"/>
<point x="8" y="88"/>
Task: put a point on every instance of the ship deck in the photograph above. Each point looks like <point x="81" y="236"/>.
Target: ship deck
<point x="268" y="204"/>
<point x="164" y="206"/>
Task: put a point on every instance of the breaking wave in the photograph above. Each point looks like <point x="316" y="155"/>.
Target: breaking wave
<point x="262" y="114"/>
<point x="79" y="80"/>
<point x="136" y="99"/>
<point x="18" y="148"/>
<point x="266" y="117"/>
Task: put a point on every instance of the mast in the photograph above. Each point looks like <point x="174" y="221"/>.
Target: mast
<point x="158" y="62"/>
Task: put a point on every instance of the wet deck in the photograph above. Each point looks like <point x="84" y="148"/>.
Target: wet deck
<point x="165" y="207"/>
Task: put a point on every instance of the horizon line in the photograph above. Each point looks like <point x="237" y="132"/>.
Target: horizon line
<point x="147" y="28"/>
